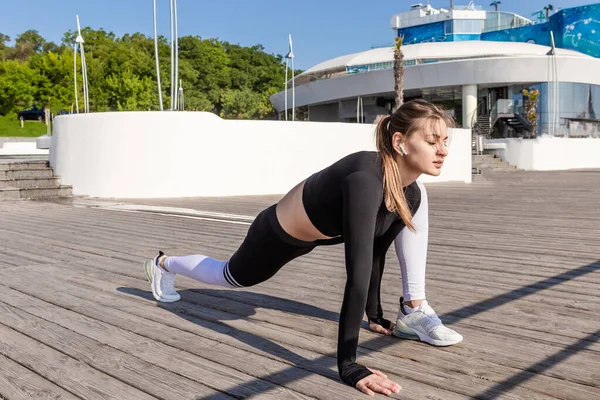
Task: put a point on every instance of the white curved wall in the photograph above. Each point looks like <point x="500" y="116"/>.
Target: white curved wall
<point x="477" y="71"/>
<point x="179" y="154"/>
<point x="550" y="153"/>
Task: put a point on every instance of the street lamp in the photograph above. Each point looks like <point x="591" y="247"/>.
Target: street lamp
<point x="79" y="41"/>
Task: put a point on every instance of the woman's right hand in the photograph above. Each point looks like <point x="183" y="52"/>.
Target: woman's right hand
<point x="377" y="382"/>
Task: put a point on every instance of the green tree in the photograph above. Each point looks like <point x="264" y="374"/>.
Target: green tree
<point x="55" y="79"/>
<point x="128" y="92"/>
<point x="217" y="76"/>
<point x="31" y="38"/>
<point x="3" y="47"/>
<point x="252" y="68"/>
<point x="244" y="104"/>
<point x="18" y="84"/>
<point x="27" y="44"/>
<point x="210" y="65"/>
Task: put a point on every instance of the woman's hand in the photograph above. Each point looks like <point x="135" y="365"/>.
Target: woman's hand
<point x="377" y="383"/>
<point x="377" y="328"/>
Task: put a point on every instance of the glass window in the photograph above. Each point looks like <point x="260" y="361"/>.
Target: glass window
<point x="468" y="26"/>
<point x="448" y="27"/>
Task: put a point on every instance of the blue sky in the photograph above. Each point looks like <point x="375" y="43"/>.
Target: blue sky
<point x="320" y="29"/>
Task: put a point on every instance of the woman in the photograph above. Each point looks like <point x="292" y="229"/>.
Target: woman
<point x="365" y="201"/>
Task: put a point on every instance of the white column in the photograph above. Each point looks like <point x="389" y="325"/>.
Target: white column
<point x="469" y="105"/>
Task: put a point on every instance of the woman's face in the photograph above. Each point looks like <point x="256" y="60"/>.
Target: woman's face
<point x="427" y="148"/>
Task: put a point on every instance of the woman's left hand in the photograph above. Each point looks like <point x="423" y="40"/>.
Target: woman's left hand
<point x="375" y="327"/>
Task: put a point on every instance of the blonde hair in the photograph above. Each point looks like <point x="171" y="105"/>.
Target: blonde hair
<point x="412" y="116"/>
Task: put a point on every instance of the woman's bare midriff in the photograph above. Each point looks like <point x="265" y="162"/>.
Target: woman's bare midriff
<point x="293" y="218"/>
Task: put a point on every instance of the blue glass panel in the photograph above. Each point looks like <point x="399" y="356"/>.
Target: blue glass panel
<point x="576" y="28"/>
<point x="424" y="33"/>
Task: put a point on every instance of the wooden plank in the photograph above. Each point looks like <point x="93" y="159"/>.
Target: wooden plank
<point x="194" y="350"/>
<point x="571" y="326"/>
<point x="506" y="261"/>
<point x="270" y="284"/>
<point x="297" y="372"/>
<point x="72" y="375"/>
<point x="19" y="383"/>
<point x="512" y="341"/>
<point x="150" y="378"/>
<point x="437" y="364"/>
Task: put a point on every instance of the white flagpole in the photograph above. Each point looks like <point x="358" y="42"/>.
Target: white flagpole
<point x="75" y="76"/>
<point x="290" y="56"/>
<point x="293" y="93"/>
<point x="286" y="93"/>
<point x="176" y="54"/>
<point x="86" y="99"/>
<point x="293" y="83"/>
<point x="160" y="99"/>
<point x="173" y="83"/>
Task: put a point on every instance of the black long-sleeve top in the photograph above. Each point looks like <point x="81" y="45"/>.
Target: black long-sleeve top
<point x="347" y="199"/>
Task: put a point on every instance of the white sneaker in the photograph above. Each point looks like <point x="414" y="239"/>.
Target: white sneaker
<point x="161" y="281"/>
<point x="424" y="324"/>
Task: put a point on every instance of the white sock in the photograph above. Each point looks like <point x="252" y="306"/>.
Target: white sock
<point x="409" y="309"/>
<point x="411" y="249"/>
<point x="203" y="269"/>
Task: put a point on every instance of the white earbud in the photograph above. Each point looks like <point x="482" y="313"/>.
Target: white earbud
<point x="402" y="150"/>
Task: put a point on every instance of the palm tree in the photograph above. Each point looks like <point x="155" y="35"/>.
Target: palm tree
<point x="548" y="8"/>
<point x="495" y="4"/>
<point x="399" y="72"/>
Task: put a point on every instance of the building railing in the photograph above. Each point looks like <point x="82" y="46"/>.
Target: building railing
<point x="468" y="7"/>
<point x="502" y="27"/>
<point x="500" y="20"/>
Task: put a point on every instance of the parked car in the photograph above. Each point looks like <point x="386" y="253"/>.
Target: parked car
<point x="35" y="114"/>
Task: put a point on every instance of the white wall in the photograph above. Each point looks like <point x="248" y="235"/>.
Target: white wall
<point x="551" y="153"/>
<point x="18" y="148"/>
<point x="178" y="154"/>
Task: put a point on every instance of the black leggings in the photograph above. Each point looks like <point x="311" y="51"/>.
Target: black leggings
<point x="265" y="250"/>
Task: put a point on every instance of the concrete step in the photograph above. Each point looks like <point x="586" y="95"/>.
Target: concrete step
<point x="484" y="157"/>
<point x="495" y="166"/>
<point x="490" y="162"/>
<point x="26" y="174"/>
<point x="31" y="183"/>
<point x="6" y="165"/>
<point x="11" y="193"/>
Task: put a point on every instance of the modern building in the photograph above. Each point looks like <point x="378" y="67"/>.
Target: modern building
<point x="476" y="63"/>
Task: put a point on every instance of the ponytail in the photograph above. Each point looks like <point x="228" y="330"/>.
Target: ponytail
<point x="393" y="192"/>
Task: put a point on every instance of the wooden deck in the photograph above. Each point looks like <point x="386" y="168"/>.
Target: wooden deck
<point x="513" y="266"/>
